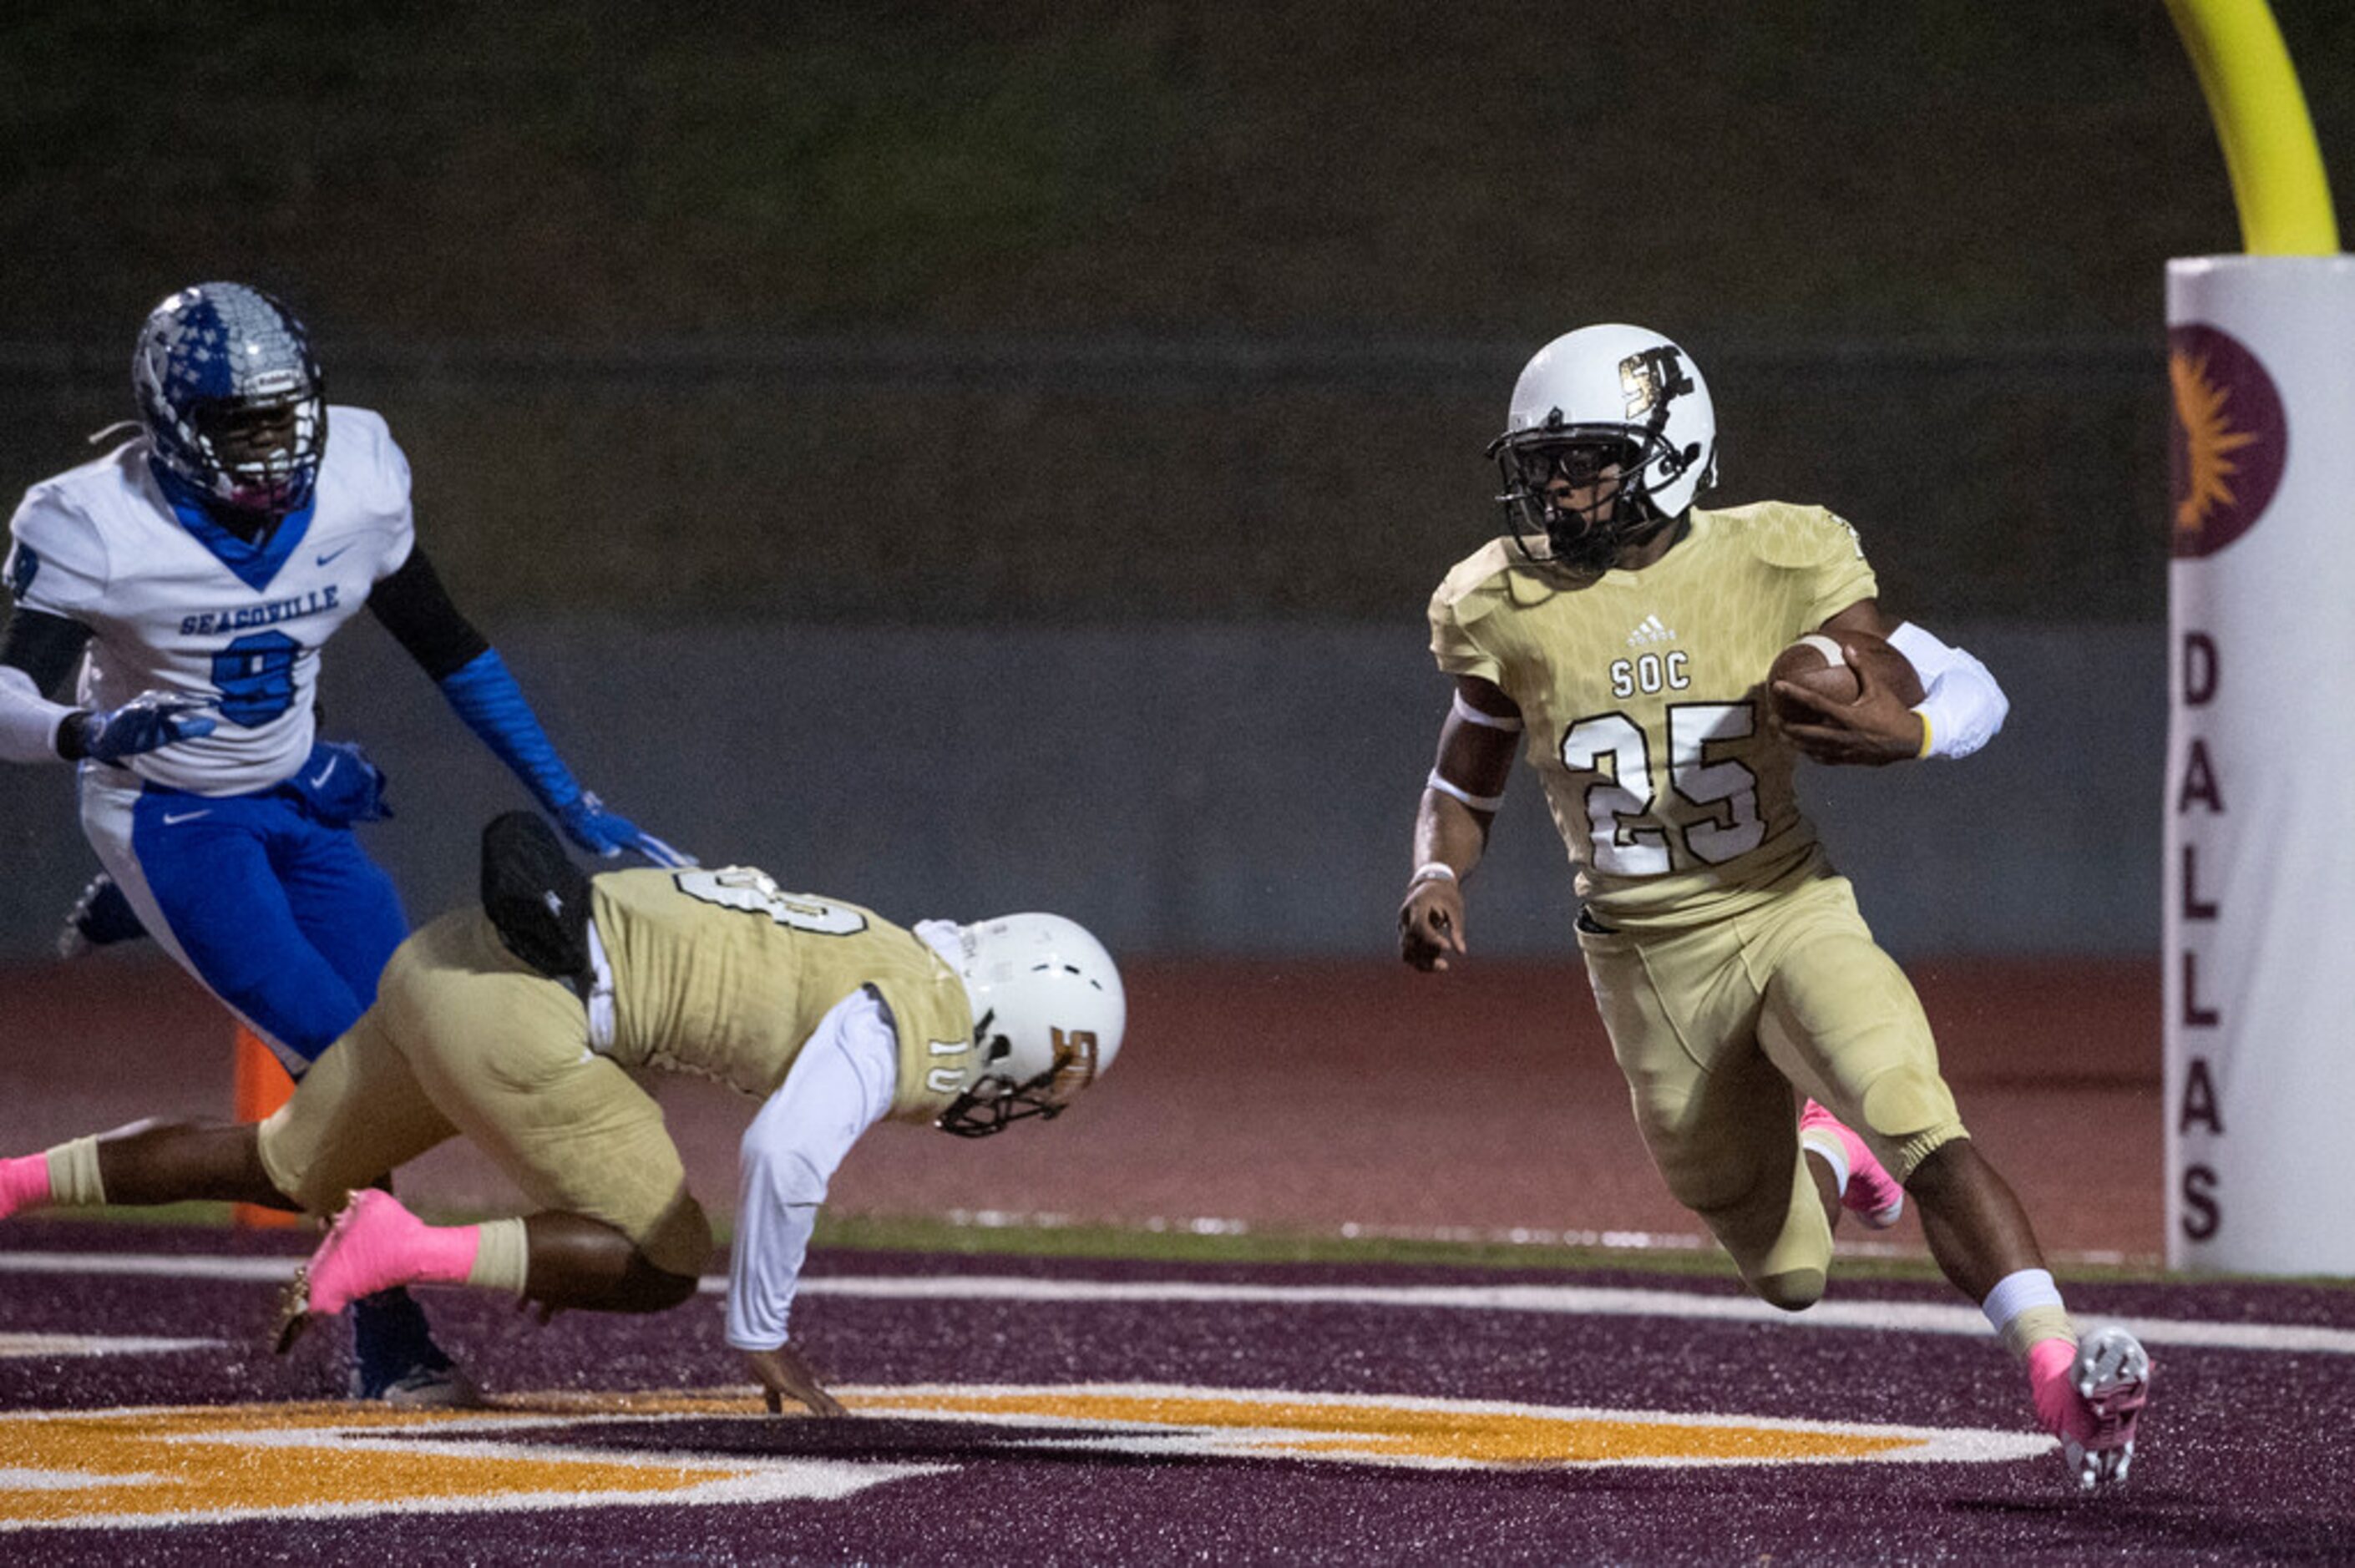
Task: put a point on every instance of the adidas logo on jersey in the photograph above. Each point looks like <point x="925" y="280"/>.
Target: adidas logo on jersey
<point x="1650" y="632"/>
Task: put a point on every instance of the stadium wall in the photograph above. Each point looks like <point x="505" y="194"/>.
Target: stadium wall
<point x="1187" y="790"/>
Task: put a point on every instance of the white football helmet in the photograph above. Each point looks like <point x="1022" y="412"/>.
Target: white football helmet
<point x="1594" y="398"/>
<point x="1048" y="1011"/>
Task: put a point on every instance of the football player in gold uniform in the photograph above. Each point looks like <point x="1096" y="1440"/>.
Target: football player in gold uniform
<point x="520" y="1026"/>
<point x="1619" y="636"/>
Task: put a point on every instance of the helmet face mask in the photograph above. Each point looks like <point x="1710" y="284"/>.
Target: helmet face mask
<point x="1610" y="435"/>
<point x="996" y="1100"/>
<point x="1049" y="1011"/>
<point x="1575" y="499"/>
<point x="232" y="399"/>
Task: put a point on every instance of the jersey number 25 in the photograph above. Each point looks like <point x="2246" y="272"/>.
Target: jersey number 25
<point x="1728" y="790"/>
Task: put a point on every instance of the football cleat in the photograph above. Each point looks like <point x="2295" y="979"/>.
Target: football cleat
<point x="425" y="1388"/>
<point x="394" y="1358"/>
<point x="24" y="1184"/>
<point x="374" y="1244"/>
<point x="2093" y="1405"/>
<point x="373" y="1247"/>
<point x="294" y="1310"/>
<point x="101" y="917"/>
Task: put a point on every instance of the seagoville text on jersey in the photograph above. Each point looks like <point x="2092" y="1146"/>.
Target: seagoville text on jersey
<point x="269" y="614"/>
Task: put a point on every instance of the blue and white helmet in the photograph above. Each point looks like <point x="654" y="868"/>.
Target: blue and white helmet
<point x="232" y="398"/>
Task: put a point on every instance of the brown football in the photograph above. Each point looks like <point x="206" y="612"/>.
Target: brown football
<point x="1817" y="663"/>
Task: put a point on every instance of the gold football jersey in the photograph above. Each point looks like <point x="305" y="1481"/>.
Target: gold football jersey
<point x="1642" y="692"/>
<point x="724" y="974"/>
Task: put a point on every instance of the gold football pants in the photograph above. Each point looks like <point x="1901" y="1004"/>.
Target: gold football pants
<point x="1714" y="1027"/>
<point x="465" y="1040"/>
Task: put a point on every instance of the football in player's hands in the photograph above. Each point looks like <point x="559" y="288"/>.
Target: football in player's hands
<point x="1819" y="662"/>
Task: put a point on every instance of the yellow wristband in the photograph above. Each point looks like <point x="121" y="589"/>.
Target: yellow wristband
<point x="1925" y="733"/>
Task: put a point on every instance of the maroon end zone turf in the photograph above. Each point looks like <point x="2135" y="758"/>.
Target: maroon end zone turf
<point x="2224" y="1475"/>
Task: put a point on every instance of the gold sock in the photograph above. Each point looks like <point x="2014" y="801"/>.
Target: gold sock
<point x="502" y="1257"/>
<point x="73" y="1174"/>
<point x="2036" y="1323"/>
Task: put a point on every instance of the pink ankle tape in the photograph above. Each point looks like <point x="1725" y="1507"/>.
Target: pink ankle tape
<point x="443" y="1254"/>
<point x="24" y="1183"/>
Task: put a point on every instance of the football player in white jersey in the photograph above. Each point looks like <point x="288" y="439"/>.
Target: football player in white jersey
<point x="1619" y="637"/>
<point x="193" y="573"/>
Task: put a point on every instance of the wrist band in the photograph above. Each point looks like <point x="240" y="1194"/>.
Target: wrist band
<point x="1433" y="871"/>
<point x="1929" y="738"/>
<point x="1477" y="802"/>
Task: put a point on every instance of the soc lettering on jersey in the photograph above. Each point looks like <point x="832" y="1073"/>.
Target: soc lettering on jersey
<point x="170" y="611"/>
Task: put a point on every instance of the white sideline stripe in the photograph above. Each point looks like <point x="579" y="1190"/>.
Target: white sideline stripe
<point x="273" y="1270"/>
<point x="1570" y="1301"/>
<point x="1564" y="1301"/>
<point x="17" y="1347"/>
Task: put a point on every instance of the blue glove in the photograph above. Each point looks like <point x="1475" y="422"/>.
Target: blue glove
<point x="147" y="721"/>
<point x="604" y="832"/>
<point x="340" y="786"/>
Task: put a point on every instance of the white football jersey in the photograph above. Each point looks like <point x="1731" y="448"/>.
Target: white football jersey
<point x="99" y="544"/>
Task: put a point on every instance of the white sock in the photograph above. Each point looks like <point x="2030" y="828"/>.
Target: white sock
<point x="2025" y="1307"/>
<point x="1826" y="1144"/>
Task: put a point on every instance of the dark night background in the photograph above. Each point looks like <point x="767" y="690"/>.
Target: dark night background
<point x="939" y="311"/>
<point x="866" y="324"/>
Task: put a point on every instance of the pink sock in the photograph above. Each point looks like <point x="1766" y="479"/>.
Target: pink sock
<point x="24" y="1184"/>
<point x="2059" y="1410"/>
<point x="445" y="1254"/>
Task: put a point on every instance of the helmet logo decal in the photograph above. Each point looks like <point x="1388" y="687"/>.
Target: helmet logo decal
<point x="22" y="569"/>
<point x="1650" y="379"/>
<point x="1075" y="1057"/>
<point x="2228" y="442"/>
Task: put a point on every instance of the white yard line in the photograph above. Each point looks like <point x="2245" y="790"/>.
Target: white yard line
<point x="1567" y="1300"/>
<point x="1719" y="1305"/>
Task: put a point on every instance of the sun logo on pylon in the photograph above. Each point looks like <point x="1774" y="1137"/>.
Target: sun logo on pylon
<point x="2228" y="439"/>
<point x="2210" y="440"/>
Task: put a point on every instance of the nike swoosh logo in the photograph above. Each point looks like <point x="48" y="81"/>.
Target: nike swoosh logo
<point x="331" y="555"/>
<point x="173" y="819"/>
<point x="330" y="768"/>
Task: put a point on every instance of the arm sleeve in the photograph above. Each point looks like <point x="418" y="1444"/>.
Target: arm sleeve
<point x="839" y="1086"/>
<point x="1962" y="708"/>
<point x="44" y="646"/>
<point x="416" y="608"/>
<point x="487" y="696"/>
